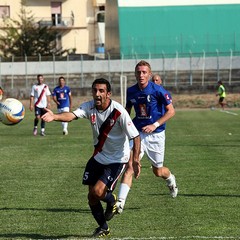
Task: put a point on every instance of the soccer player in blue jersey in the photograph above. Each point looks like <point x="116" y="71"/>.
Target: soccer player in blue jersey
<point x="63" y="98"/>
<point x="153" y="108"/>
<point x="112" y="128"/>
<point x="157" y="79"/>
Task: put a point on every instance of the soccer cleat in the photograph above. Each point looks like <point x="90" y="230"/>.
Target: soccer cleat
<point x="35" y="131"/>
<point x="111" y="210"/>
<point x="173" y="188"/>
<point x="42" y="134"/>
<point x="101" y="233"/>
<point x="120" y="206"/>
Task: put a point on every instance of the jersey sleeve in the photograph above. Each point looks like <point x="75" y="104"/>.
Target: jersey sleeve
<point x="48" y="93"/>
<point x="127" y="125"/>
<point x="32" y="91"/>
<point x="128" y="102"/>
<point x="165" y="96"/>
<point x="82" y="111"/>
<point x="54" y="92"/>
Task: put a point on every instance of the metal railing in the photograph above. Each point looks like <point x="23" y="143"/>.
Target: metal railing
<point x="190" y="69"/>
<point x="52" y="22"/>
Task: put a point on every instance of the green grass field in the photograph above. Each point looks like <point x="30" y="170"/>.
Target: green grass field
<point x="41" y="195"/>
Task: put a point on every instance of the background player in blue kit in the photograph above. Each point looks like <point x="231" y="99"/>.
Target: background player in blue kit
<point x="153" y="108"/>
<point x="63" y="98"/>
<point x="157" y="79"/>
<point x="112" y="128"/>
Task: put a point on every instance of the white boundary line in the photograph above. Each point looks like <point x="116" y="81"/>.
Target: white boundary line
<point x="224" y="111"/>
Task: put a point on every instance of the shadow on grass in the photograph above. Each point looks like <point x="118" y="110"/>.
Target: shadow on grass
<point x="47" y="209"/>
<point x="210" y="195"/>
<point x="37" y="236"/>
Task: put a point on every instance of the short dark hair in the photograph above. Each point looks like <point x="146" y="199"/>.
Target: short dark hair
<point x="102" y="81"/>
<point x="61" y="78"/>
<point x="39" y="75"/>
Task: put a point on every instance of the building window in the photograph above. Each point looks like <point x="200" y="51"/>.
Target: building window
<point x="101" y="16"/>
<point x="56" y="10"/>
<point x="56" y="19"/>
<point x="4" y="11"/>
<point x="102" y="8"/>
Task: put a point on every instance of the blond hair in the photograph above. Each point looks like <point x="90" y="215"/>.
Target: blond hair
<point x="143" y="63"/>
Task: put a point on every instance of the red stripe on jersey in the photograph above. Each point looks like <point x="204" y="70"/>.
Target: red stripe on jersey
<point x="41" y="96"/>
<point x="105" y="129"/>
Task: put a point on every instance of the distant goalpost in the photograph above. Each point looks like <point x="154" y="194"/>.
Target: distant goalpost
<point x="123" y="89"/>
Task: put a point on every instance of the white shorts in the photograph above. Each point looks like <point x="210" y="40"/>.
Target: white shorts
<point x="154" y="146"/>
<point x="65" y="109"/>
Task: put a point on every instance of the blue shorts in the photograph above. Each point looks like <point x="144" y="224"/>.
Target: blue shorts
<point x="108" y="174"/>
<point x="39" y="111"/>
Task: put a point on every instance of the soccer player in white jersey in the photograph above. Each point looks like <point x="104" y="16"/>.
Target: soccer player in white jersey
<point x="153" y="108"/>
<point x="39" y="100"/>
<point x="63" y="98"/>
<point x="112" y="128"/>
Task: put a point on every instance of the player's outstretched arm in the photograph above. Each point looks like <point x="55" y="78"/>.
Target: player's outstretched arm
<point x="49" y="116"/>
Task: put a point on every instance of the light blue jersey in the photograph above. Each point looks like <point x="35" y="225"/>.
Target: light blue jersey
<point x="149" y="104"/>
<point x="62" y="95"/>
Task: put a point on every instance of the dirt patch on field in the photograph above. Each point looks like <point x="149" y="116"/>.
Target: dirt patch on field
<point x="204" y="101"/>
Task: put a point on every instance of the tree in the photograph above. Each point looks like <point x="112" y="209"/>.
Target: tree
<point x="27" y="37"/>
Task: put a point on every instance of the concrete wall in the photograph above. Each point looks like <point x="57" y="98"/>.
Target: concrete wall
<point x="179" y="75"/>
<point x="122" y="66"/>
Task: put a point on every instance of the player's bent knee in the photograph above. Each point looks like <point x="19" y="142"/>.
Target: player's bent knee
<point x="158" y="172"/>
<point x="96" y="193"/>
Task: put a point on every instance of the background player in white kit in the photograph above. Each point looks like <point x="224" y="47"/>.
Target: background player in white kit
<point x="63" y="98"/>
<point x="39" y="100"/>
<point x="153" y="107"/>
<point x="112" y="128"/>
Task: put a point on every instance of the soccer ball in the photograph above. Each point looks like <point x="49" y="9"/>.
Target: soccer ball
<point x="11" y="111"/>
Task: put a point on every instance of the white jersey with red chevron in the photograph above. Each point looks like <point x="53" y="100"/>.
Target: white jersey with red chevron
<point x="40" y="93"/>
<point x="112" y="130"/>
